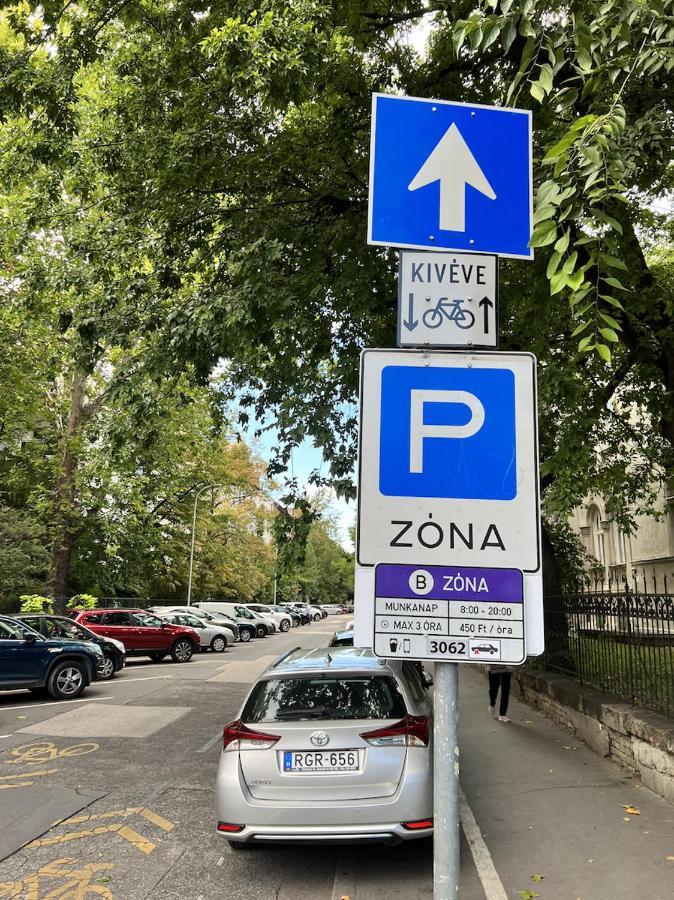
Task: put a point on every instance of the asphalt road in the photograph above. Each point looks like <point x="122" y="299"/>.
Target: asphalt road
<point x="112" y="797"/>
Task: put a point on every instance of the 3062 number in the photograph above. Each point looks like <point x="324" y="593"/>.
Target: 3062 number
<point x="456" y="648"/>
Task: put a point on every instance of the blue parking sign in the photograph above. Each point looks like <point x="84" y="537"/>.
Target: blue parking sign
<point x="450" y="176"/>
<point x="448" y="432"/>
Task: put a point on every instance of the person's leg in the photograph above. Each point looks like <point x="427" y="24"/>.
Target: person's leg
<point x="506" y="678"/>
<point x="493" y="691"/>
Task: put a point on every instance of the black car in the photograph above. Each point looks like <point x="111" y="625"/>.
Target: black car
<point x="114" y="654"/>
<point x="62" y="668"/>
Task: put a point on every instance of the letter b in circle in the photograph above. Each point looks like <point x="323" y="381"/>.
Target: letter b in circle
<point x="421" y="582"/>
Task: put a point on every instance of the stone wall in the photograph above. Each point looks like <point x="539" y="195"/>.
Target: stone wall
<point x="639" y="740"/>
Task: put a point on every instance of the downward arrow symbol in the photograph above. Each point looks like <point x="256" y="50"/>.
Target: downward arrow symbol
<point x="454" y="166"/>
<point x="410" y="322"/>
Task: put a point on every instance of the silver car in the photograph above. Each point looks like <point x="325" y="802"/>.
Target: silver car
<point x="331" y="745"/>
<point x="227" y="624"/>
<point x="211" y="637"/>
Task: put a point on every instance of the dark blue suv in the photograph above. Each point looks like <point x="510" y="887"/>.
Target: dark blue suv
<point x="62" y="668"/>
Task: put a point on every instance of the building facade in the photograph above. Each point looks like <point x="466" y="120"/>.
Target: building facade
<point x="646" y="556"/>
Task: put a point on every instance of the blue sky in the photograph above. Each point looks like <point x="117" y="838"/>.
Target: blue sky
<point x="305" y="459"/>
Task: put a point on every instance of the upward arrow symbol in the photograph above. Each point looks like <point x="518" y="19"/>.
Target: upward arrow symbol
<point x="454" y="166"/>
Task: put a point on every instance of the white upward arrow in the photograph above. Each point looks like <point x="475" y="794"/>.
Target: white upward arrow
<point x="454" y="166"/>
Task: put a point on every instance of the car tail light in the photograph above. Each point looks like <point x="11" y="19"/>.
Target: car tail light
<point x="412" y="731"/>
<point x="230" y="828"/>
<point x="237" y="736"/>
<point x="418" y="824"/>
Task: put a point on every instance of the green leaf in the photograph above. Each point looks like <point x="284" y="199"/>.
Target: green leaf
<point x="609" y="334"/>
<point x="553" y="262"/>
<point x="612" y="300"/>
<point x="574" y="281"/>
<point x="544" y="234"/>
<point x="585" y="343"/>
<point x="613" y="261"/>
<point x="563" y="242"/>
<point x="579" y="328"/>
<point x="618" y="285"/>
<point x="584" y="61"/>
<point x="528" y="895"/>
<point x="545" y="78"/>
<point x="604" y="352"/>
<point x="610" y="320"/>
<point x="509" y="34"/>
<point x="547" y="192"/>
<point x="557" y="283"/>
<point x="537" y="877"/>
<point x="570" y="263"/>
<point x="537" y="91"/>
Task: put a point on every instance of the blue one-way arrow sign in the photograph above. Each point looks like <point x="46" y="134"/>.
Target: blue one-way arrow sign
<point x="450" y="176"/>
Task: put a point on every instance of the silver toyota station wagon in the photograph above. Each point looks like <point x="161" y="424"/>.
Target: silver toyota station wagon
<point x="331" y="745"/>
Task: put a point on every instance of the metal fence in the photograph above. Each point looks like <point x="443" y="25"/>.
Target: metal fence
<point x="621" y="642"/>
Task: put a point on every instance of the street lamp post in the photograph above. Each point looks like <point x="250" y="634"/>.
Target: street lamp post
<point x="206" y="487"/>
<point x="236" y="499"/>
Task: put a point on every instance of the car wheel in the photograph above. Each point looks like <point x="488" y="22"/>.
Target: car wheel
<point x="218" y="644"/>
<point x="106" y="669"/>
<point x="317" y="617"/>
<point x="240" y="845"/>
<point x="67" y="680"/>
<point x="245" y="635"/>
<point x="285" y="625"/>
<point x="261" y="631"/>
<point x="182" y="650"/>
<point x="157" y="657"/>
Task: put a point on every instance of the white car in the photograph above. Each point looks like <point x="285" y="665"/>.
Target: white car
<point x="211" y="637"/>
<point x="263" y="625"/>
<point x="229" y="625"/>
<point x="282" y="620"/>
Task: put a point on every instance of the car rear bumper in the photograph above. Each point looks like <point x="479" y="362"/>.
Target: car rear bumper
<point x="387" y="833"/>
<point x="338" y="820"/>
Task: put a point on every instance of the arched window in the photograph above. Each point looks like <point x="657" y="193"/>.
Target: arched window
<point x="596" y="534"/>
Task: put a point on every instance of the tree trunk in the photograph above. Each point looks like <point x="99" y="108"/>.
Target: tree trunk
<point x="65" y="492"/>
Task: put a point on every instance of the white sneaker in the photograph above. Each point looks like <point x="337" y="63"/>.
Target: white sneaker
<point x="503" y="718"/>
<point x="492" y="711"/>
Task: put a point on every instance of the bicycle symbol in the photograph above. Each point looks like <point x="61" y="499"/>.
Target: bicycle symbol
<point x="79" y="882"/>
<point x="452" y="311"/>
<point x="33" y="754"/>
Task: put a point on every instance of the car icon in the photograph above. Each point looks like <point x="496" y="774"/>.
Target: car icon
<point x="485" y="648"/>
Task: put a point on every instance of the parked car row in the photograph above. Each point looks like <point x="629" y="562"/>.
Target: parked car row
<point x="59" y="656"/>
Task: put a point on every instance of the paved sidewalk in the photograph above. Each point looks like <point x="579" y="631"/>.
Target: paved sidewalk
<point x="547" y="804"/>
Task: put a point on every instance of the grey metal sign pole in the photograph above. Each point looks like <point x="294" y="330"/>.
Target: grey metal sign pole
<point x="446" y="782"/>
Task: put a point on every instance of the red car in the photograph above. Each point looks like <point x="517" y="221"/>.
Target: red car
<point x="142" y="633"/>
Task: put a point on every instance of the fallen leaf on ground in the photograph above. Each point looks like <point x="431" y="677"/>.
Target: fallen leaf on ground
<point x="528" y="895"/>
<point x="537" y="877"/>
<point x="669" y="858"/>
<point x="569" y="748"/>
<point x="21" y="717"/>
<point x="345" y="897"/>
<point x="626" y="819"/>
<point x="104" y="879"/>
<point x="632" y="810"/>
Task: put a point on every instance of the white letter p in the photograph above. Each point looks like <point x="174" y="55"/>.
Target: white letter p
<point x="419" y="431"/>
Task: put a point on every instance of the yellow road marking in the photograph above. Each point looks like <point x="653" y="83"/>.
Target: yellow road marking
<point x="34" y="754"/>
<point x="79" y="886"/>
<point x="6" y="780"/>
<point x="156" y="819"/>
<point x="122" y="829"/>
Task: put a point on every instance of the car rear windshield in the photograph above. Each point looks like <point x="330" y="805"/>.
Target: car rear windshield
<point x="300" y="699"/>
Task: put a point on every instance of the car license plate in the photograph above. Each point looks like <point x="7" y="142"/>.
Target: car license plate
<point x="320" y="761"/>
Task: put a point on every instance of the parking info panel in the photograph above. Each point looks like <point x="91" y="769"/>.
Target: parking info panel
<point x="450" y="613"/>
